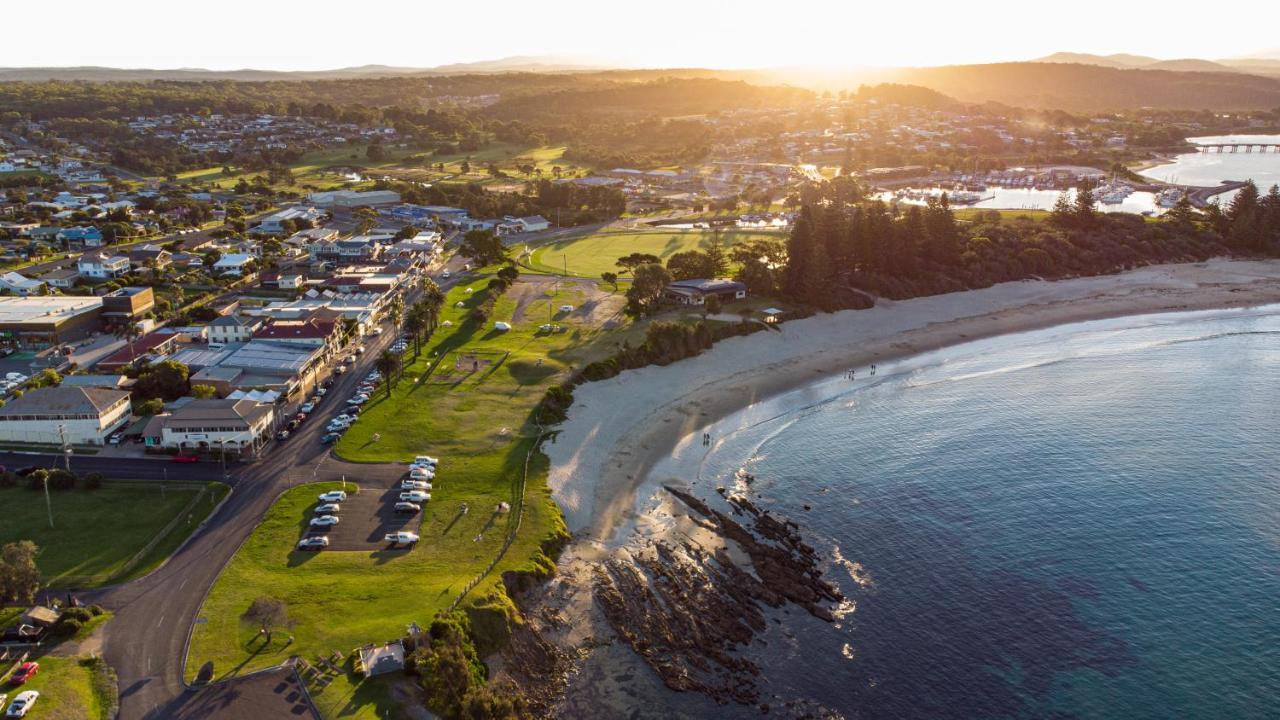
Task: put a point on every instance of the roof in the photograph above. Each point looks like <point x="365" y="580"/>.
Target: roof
<point x="296" y="329"/>
<point x="205" y="410"/>
<point x="97" y="381"/>
<point x="224" y="374"/>
<point x="233" y="321"/>
<point x="61" y="274"/>
<point x="41" y="615"/>
<point x="271" y="357"/>
<point x="63" y="400"/>
<point x="704" y="285"/>
<point x="22" y="310"/>
<point x="382" y="659"/>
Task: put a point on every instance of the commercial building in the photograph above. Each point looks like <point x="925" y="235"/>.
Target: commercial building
<point x="58" y="415"/>
<point x="128" y="303"/>
<point x="287" y="220"/>
<point x="353" y="198"/>
<point x="39" y="322"/>
<point x="242" y="426"/>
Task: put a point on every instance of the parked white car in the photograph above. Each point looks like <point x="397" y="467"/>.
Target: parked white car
<point x="415" y="485"/>
<point x="566" y="308"/>
<point x="315" y="542"/>
<point x="328" y="509"/>
<point x="333" y="496"/>
<point x="358" y="400"/>
<point x="25" y="700"/>
<point x="401" y="538"/>
<point x="415" y="496"/>
<point x="324" y="521"/>
<point x="501" y="326"/>
<point x="426" y="460"/>
<point x="421" y="473"/>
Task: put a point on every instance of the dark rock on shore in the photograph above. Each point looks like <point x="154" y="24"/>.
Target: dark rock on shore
<point x="686" y="610"/>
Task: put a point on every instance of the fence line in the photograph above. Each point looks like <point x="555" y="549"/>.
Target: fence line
<point x="517" y="508"/>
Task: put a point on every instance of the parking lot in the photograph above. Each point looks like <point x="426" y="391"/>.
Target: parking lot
<point x="367" y="517"/>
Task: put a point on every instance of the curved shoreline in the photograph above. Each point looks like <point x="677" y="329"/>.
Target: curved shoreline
<point x="618" y="428"/>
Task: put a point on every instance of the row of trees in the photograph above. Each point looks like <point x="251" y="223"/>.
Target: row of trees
<point x="845" y="249"/>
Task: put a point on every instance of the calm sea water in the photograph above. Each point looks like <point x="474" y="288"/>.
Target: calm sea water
<point x="1082" y="522"/>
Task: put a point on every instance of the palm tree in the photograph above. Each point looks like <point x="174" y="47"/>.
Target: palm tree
<point x="414" y="323"/>
<point x="433" y="299"/>
<point x="396" y="311"/>
<point x="388" y="363"/>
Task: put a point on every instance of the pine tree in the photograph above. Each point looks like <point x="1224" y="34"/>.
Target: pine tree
<point x="799" y="253"/>
<point x="1085" y="215"/>
<point x="944" y="236"/>
<point x="1063" y="213"/>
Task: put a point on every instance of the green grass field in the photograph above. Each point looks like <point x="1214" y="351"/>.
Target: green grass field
<point x="476" y="422"/>
<point x="598" y="253"/>
<point x="67" y="691"/>
<point x="97" y="532"/>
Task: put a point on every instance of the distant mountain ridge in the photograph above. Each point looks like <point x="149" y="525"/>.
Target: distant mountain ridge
<point x="1260" y="65"/>
<point x="93" y="73"/>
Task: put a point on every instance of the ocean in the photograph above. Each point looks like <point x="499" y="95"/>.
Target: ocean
<point x="1079" y="522"/>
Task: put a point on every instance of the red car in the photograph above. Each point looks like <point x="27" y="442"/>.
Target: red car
<point x="25" y="672"/>
<point x="185" y="459"/>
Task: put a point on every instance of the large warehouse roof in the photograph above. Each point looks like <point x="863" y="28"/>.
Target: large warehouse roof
<point x="44" y="310"/>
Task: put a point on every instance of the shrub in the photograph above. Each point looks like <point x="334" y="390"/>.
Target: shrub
<point x="60" y="479"/>
<point x="37" y="478"/>
<point x="67" y="627"/>
<point x="93" y="481"/>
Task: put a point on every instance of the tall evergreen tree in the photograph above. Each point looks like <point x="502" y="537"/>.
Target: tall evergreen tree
<point x="799" y="253"/>
<point x="943" y="234"/>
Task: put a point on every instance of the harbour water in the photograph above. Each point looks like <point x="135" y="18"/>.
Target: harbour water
<point x="1212" y="168"/>
<point x="1080" y="522"/>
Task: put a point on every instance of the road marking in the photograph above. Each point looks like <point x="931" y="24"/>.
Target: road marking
<point x="184" y="583"/>
<point x="161" y="621"/>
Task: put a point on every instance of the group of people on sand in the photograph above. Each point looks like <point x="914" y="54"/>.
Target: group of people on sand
<point x="851" y="373"/>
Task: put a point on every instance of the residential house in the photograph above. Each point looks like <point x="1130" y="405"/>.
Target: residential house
<point x="19" y="284"/>
<point x="236" y="264"/>
<point x="233" y="328"/>
<point x="150" y="256"/>
<point x="96" y="265"/>
<point x="62" y="278"/>
<point x="58" y="415"/>
<point x="81" y="237"/>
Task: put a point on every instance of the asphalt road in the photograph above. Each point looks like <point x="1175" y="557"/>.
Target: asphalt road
<point x="146" y="641"/>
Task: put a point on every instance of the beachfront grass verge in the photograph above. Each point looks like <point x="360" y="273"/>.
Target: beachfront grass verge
<point x="98" y="535"/>
<point x="595" y="254"/>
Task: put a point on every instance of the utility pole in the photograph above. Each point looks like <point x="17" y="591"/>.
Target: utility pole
<point x="66" y="449"/>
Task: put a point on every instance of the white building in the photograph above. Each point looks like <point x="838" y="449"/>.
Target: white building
<point x="241" y="426"/>
<point x="97" y="266"/>
<point x="53" y="415"/>
<point x="233" y="263"/>
<point x="233" y="328"/>
<point x="20" y="284"/>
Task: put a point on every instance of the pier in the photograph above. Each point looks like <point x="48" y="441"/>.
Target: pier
<point x="1238" y="147"/>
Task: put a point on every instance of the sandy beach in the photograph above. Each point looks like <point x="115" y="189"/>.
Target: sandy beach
<point x="618" y="428"/>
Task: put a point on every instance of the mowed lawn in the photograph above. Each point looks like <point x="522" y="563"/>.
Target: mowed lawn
<point x="66" y="690"/>
<point x="595" y="254"/>
<point x="97" y="532"/>
<point x="475" y="421"/>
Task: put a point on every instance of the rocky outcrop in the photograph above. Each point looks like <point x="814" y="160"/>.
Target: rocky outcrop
<point x="686" y="610"/>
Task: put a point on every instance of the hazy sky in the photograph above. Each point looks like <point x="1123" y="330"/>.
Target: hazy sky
<point x="322" y="34"/>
